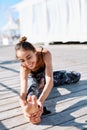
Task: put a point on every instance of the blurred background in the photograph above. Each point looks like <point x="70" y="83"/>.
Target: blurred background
<point x="43" y="21"/>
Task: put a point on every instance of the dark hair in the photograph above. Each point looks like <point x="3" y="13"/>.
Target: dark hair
<point x="23" y="44"/>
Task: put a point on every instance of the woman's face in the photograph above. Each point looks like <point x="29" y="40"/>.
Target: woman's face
<point x="27" y="58"/>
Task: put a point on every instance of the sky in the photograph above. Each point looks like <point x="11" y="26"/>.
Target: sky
<point x="5" y="7"/>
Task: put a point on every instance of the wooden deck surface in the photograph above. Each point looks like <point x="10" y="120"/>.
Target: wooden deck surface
<point x="68" y="103"/>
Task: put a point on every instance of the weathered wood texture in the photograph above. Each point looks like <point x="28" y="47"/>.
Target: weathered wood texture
<point x="68" y="103"/>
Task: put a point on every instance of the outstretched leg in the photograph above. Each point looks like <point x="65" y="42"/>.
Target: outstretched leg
<point x="32" y="108"/>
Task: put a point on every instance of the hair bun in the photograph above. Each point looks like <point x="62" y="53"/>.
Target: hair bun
<point x="22" y="39"/>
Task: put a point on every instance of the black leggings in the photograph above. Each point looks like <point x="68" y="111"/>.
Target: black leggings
<point x="61" y="77"/>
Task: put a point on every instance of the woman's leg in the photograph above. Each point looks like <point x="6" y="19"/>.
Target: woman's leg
<point x="41" y="81"/>
<point x="32" y="86"/>
<point x="65" y="77"/>
<point x="36" y="84"/>
<point x="31" y="97"/>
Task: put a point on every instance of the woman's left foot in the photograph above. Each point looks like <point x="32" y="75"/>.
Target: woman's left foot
<point x="72" y="77"/>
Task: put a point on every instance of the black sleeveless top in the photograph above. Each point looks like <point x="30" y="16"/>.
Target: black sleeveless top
<point x="41" y="69"/>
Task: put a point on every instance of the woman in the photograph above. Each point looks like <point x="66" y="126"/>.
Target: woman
<point x="37" y="78"/>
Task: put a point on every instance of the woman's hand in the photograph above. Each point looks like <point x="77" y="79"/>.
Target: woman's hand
<point x="22" y="100"/>
<point x="40" y="106"/>
<point x="32" y="109"/>
<point x="24" y="104"/>
<point x="35" y="116"/>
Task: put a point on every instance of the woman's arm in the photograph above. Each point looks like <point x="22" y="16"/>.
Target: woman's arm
<point x="49" y="77"/>
<point x="23" y="83"/>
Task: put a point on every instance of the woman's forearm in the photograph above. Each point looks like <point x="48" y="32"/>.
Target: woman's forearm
<point x="46" y="91"/>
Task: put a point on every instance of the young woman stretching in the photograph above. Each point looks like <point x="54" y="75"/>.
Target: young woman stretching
<point x="37" y="79"/>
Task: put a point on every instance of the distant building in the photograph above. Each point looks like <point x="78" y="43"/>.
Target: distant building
<point x="10" y="32"/>
<point x="53" y="20"/>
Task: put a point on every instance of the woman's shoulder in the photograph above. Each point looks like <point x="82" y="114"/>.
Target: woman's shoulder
<point x="46" y="54"/>
<point x="43" y="50"/>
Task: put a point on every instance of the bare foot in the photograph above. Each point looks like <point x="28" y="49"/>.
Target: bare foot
<point x="32" y="108"/>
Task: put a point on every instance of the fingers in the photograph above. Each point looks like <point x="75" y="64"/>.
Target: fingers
<point x="35" y="120"/>
<point x="40" y="104"/>
<point x="40" y="111"/>
<point x="34" y="107"/>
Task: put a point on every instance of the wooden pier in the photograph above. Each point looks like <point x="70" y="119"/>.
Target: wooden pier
<point x="68" y="103"/>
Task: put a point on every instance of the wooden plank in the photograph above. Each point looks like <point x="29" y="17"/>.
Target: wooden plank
<point x="9" y="101"/>
<point x="7" y="107"/>
<point x="11" y="112"/>
<point x="61" y="113"/>
<point x="4" y="90"/>
<point x="9" y="96"/>
<point x="57" y="91"/>
<point x="14" y="121"/>
<point x="67" y="103"/>
<point x="6" y="110"/>
<point x="77" y="124"/>
<point x="65" y="98"/>
<point x="48" y="122"/>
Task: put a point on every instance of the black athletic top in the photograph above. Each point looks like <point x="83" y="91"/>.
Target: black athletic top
<point x="41" y="69"/>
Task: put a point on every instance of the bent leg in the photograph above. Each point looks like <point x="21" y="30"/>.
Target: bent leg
<point x="65" y="77"/>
